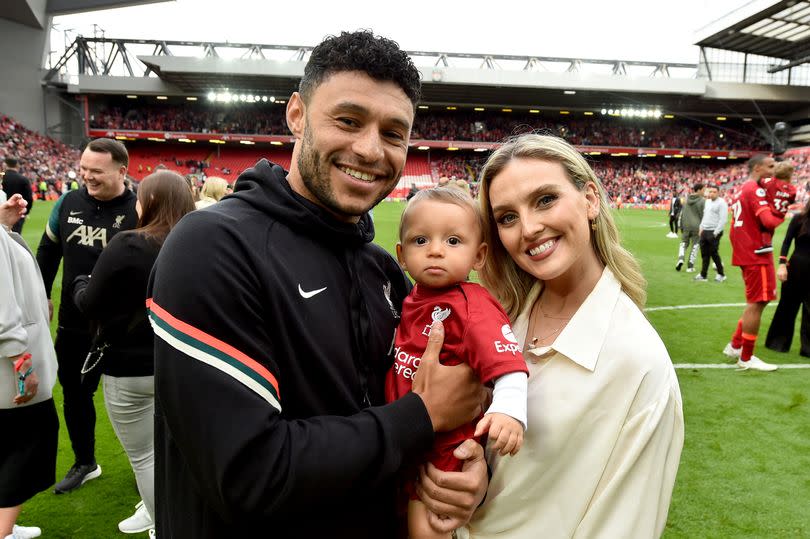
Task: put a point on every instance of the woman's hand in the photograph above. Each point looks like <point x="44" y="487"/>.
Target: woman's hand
<point x="781" y="272"/>
<point x="30" y="384"/>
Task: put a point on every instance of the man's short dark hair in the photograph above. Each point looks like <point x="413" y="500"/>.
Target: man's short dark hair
<point x="380" y="58"/>
<point x="697" y="187"/>
<point x="756" y="160"/>
<point x="116" y="149"/>
<point x="11" y="162"/>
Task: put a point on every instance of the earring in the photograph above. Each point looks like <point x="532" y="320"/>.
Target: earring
<point x="593" y="225"/>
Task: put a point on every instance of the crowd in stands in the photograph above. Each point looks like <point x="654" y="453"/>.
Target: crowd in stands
<point x="248" y="118"/>
<point x="44" y="160"/>
<point x="259" y="119"/>
<point x="634" y="181"/>
<point x="595" y="131"/>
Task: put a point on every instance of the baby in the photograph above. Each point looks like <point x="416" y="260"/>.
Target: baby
<point x="780" y="194"/>
<point x="440" y="242"/>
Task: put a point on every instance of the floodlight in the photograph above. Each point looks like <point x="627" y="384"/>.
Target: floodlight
<point x="610" y="112"/>
<point x="264" y="99"/>
<point x="272" y="99"/>
<point x="604" y="111"/>
<point x="211" y="96"/>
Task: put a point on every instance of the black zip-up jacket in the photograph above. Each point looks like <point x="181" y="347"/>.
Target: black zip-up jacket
<point x="78" y="229"/>
<point x="273" y="323"/>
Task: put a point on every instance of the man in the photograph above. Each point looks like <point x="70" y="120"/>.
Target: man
<point x="270" y="357"/>
<point x="752" y="213"/>
<point x="691" y="215"/>
<point x="715" y="214"/>
<point x="16" y="183"/>
<point x="81" y="224"/>
<point x="675" y="206"/>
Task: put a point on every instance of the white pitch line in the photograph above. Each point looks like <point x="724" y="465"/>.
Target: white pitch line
<point x="696" y="306"/>
<point x="734" y="366"/>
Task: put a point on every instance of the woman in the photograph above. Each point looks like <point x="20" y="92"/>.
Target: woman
<point x="795" y="277"/>
<point x="213" y="190"/>
<point x="28" y="420"/>
<point x="605" y="422"/>
<point x="115" y="299"/>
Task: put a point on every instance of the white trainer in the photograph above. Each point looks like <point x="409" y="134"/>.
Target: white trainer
<point x="755" y="364"/>
<point x="25" y="532"/>
<point x="730" y="351"/>
<point x="139" y="522"/>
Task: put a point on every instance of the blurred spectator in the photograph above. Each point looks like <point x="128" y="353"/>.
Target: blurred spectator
<point x="16" y="183"/>
<point x="212" y="191"/>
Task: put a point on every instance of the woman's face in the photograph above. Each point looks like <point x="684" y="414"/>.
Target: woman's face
<point x="543" y="219"/>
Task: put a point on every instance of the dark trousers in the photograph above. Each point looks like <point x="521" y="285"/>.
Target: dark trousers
<point x="673" y="223"/>
<point x="795" y="293"/>
<point x="709" y="244"/>
<point x="80" y="412"/>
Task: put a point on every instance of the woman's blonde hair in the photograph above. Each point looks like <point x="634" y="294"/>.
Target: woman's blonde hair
<point x="214" y="187"/>
<point x="500" y="274"/>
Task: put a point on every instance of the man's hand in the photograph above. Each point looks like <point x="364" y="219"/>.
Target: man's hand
<point x="781" y="272"/>
<point x="12" y="210"/>
<point x="452" y="497"/>
<point x="452" y="395"/>
<point x="505" y="432"/>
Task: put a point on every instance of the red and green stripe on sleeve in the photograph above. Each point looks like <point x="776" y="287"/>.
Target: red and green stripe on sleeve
<point x="200" y="345"/>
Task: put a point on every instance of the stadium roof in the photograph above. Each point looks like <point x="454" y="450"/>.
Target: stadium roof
<point x="776" y="29"/>
<point x="156" y="67"/>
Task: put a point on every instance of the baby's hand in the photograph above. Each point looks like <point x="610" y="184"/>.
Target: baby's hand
<point x="505" y="432"/>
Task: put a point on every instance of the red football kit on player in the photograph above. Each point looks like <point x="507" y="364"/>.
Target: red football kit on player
<point x="477" y="332"/>
<point x="751" y="212"/>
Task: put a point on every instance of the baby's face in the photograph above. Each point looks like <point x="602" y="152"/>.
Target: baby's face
<point x="441" y="244"/>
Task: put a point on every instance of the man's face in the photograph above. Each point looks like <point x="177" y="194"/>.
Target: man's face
<point x="765" y="168"/>
<point x="103" y="177"/>
<point x="352" y="141"/>
<point x="712" y="193"/>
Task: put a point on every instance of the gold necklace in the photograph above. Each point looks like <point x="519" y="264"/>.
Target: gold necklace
<point x="546" y="315"/>
<point x="532" y="345"/>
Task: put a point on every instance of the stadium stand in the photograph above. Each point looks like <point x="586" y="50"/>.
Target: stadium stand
<point x="630" y="181"/>
<point x="260" y="119"/>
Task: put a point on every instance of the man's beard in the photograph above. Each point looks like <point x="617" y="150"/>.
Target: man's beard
<point x="315" y="175"/>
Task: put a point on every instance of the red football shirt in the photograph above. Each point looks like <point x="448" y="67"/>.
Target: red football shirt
<point x="746" y="226"/>
<point x="780" y="193"/>
<point x="476" y="331"/>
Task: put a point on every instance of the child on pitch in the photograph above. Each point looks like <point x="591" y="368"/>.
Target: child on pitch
<point x="440" y="243"/>
<point x="780" y="194"/>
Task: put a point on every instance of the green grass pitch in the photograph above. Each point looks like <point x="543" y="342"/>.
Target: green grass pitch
<point x="746" y="459"/>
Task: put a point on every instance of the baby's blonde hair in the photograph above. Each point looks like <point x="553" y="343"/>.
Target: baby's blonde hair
<point x="445" y="195"/>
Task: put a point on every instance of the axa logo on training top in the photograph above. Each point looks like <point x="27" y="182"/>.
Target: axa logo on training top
<point x="88" y="235"/>
<point x="438" y="315"/>
<point x="306" y="294"/>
